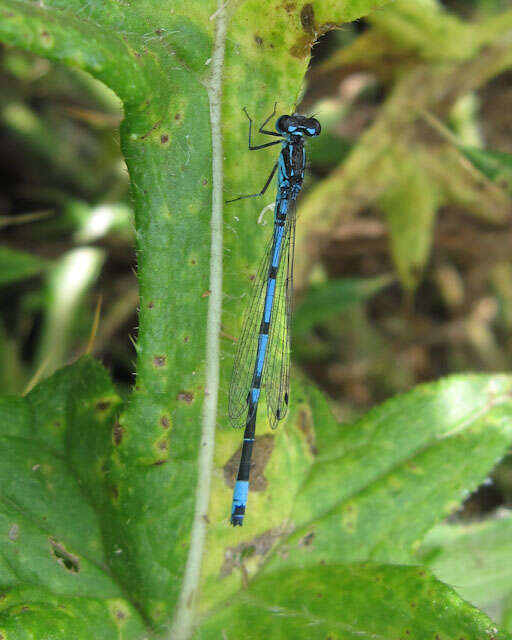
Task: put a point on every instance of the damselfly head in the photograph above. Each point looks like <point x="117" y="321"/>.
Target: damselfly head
<point x="298" y="126"/>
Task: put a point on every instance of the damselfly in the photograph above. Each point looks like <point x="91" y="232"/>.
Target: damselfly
<point x="263" y="355"/>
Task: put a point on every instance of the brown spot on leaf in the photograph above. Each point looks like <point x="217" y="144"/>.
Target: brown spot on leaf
<point x="150" y="305"/>
<point x="307" y="19"/>
<point x="117" y="433"/>
<point x="185" y="396"/>
<point x="159" y="462"/>
<point x="115" y="491"/>
<point x="159" y="361"/>
<point x="263" y="447"/>
<point x="66" y="559"/>
<point x="165" y="422"/>
<point x="204" y="182"/>
<point x="102" y="405"/>
<point x="258" y="40"/>
<point x="302" y="49"/>
<point x="307" y="540"/>
<point x="206" y="293"/>
<point x="120" y="614"/>
<point x="234" y="557"/>
<point x="305" y="424"/>
<point x="46" y="37"/>
<point x="164" y="139"/>
<point x="186" y="339"/>
<point x="177" y="116"/>
<point x="155" y="126"/>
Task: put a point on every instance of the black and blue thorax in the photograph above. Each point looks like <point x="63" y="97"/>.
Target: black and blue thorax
<point x="290" y="174"/>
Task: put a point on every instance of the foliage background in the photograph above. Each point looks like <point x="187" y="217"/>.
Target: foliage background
<point x="403" y="276"/>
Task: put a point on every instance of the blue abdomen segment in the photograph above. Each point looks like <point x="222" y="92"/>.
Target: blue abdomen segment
<point x="262" y="349"/>
<point x="271" y="287"/>
<point x="239" y="502"/>
<point x="277" y="244"/>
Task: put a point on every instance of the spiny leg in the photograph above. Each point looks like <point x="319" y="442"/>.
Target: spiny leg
<point x="262" y="130"/>
<point x="265" y="131"/>
<point x="256" y="195"/>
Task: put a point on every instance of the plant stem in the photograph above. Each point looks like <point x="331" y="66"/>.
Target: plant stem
<point x="184" y="616"/>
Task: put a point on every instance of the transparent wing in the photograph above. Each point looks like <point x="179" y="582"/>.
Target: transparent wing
<point x="243" y="368"/>
<point x="276" y="375"/>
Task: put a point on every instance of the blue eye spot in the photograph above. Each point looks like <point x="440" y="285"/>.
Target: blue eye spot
<point x="312" y="131"/>
<point x="292" y="128"/>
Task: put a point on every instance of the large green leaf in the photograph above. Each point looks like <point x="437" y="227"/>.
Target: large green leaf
<point x="366" y="491"/>
<point x="375" y="490"/>
<point x="476" y="559"/>
<point x="85" y="488"/>
<point x="166" y="61"/>
<point x="348" y="603"/>
<point x="54" y="511"/>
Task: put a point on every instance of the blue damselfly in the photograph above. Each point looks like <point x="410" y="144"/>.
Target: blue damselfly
<point x="262" y="359"/>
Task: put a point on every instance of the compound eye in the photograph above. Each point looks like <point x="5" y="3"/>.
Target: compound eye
<point x="313" y="128"/>
<point x="282" y="124"/>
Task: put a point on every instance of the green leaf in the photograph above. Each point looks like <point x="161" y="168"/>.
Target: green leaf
<point x="496" y="165"/>
<point x="12" y="371"/>
<point x="506" y="618"/>
<point x="158" y="61"/>
<point x="54" y="511"/>
<point x="67" y="284"/>
<point x="31" y="612"/>
<point x="428" y="30"/>
<point x="18" y="265"/>
<point x="374" y="492"/>
<point x="410" y="206"/>
<point x="349" y="603"/>
<point x="475" y="558"/>
<point x="333" y="296"/>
